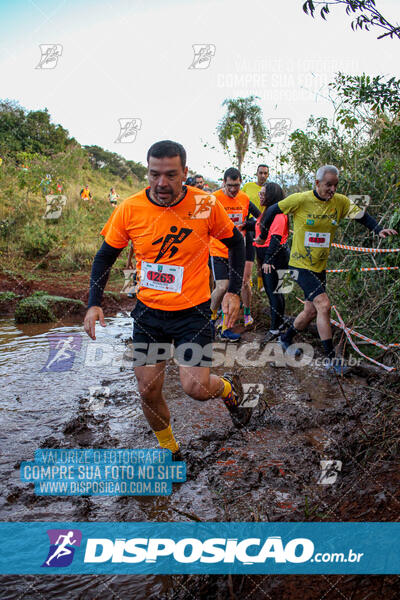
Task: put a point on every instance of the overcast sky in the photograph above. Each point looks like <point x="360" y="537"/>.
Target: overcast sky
<point x="129" y="59"/>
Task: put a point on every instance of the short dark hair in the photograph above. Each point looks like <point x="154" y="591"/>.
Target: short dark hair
<point x="273" y="193"/>
<point x="167" y="148"/>
<point x="262" y="166"/>
<point x="198" y="176"/>
<point x="232" y="173"/>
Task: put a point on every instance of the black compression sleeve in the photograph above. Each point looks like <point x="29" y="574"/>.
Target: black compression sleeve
<point x="370" y="223"/>
<point x="250" y="225"/>
<point x="236" y="260"/>
<point x="103" y="261"/>
<point x="273" y="248"/>
<point x="253" y="210"/>
<point x="267" y="218"/>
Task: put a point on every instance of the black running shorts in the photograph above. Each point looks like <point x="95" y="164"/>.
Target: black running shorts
<point x="219" y="267"/>
<point x="188" y="331"/>
<point x="250" y="249"/>
<point x="312" y="283"/>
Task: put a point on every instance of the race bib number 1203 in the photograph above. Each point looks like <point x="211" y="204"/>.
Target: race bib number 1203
<point x="166" y="278"/>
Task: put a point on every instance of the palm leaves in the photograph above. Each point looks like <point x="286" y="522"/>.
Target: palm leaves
<point x="242" y="122"/>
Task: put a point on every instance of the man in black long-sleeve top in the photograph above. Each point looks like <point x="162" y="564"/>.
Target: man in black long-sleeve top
<point x="170" y="226"/>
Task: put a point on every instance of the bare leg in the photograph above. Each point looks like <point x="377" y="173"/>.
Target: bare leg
<point x="323" y="306"/>
<point x="320" y="307"/>
<point x="304" y="318"/>
<point x="246" y="288"/>
<point x="150" y="380"/>
<point x="199" y="384"/>
<point x="221" y="286"/>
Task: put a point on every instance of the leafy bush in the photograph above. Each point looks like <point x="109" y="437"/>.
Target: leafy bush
<point x="37" y="240"/>
<point x="43" y="308"/>
<point x="7" y="296"/>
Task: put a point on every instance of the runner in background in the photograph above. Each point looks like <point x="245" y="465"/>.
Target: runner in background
<point x="236" y="204"/>
<point x="86" y="194"/>
<point x="252" y="189"/>
<point x="316" y="217"/>
<point x="274" y="257"/>
<point x="113" y="197"/>
<point x="129" y="265"/>
<point x="198" y="182"/>
<point x="170" y="226"/>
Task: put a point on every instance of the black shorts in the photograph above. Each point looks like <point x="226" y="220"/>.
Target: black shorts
<point x="312" y="283"/>
<point x="250" y="250"/>
<point x="219" y="267"/>
<point x="189" y="331"/>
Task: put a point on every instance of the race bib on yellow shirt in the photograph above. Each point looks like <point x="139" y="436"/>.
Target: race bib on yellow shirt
<point x="165" y="278"/>
<point x="312" y="239"/>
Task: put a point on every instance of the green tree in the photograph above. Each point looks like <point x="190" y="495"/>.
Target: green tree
<point x="242" y="121"/>
<point x="115" y="163"/>
<point x="365" y="12"/>
<point x="30" y="131"/>
<point x="362" y="141"/>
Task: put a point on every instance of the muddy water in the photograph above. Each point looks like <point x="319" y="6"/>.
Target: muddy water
<point x="264" y="472"/>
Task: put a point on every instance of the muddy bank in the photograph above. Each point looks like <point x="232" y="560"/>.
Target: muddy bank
<point x="68" y="285"/>
<point x="270" y="471"/>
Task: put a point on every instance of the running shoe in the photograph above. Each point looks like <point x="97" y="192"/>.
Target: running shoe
<point x="337" y="367"/>
<point x="240" y="415"/>
<point x="296" y="352"/>
<point x="177" y="455"/>
<point x="229" y="336"/>
<point x="248" y="320"/>
<point x="268" y="337"/>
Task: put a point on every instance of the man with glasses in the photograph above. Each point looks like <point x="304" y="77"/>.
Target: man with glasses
<point x="236" y="204"/>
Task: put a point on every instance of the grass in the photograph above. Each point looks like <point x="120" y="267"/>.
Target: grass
<point x="30" y="244"/>
<point x="41" y="307"/>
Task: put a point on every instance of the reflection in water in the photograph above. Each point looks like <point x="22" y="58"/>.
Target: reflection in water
<point x="47" y="374"/>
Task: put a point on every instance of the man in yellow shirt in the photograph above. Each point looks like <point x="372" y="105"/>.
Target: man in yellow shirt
<point x="253" y="189"/>
<point x="316" y="216"/>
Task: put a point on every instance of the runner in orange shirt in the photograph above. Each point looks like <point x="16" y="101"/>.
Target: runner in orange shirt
<point x="236" y="204"/>
<point x="170" y="226"/>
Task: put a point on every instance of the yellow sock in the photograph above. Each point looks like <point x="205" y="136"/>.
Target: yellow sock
<point x="166" y="439"/>
<point x="214" y="314"/>
<point x="227" y="388"/>
<point x="259" y="283"/>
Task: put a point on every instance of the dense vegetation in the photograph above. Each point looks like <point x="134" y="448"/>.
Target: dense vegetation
<point x="40" y="158"/>
<point x="361" y="140"/>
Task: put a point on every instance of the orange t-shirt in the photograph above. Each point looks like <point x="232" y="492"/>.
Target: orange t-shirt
<point x="171" y="245"/>
<point x="237" y="209"/>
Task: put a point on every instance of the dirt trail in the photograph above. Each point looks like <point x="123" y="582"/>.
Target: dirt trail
<point x="269" y="471"/>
